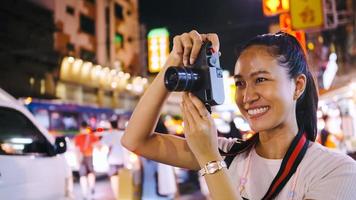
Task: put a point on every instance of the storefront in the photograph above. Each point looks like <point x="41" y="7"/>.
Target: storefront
<point x="339" y="105"/>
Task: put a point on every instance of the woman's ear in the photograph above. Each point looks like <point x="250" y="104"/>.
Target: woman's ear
<point x="300" y="84"/>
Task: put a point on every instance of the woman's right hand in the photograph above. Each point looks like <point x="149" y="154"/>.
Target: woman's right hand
<point x="186" y="47"/>
<point x="139" y="136"/>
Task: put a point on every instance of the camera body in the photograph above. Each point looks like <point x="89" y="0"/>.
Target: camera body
<point x="204" y="78"/>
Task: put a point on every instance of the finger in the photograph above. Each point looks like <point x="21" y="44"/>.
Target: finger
<point x="186" y="126"/>
<point x="188" y="106"/>
<point x="214" y="39"/>
<point x="197" y="43"/>
<point x="177" y="45"/>
<point x="185" y="98"/>
<point x="193" y="111"/>
<point x="187" y="47"/>
<point x="176" y="56"/>
<point x="189" y="121"/>
<point x="203" y="112"/>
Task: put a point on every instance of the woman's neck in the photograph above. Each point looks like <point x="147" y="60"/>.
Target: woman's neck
<point x="274" y="143"/>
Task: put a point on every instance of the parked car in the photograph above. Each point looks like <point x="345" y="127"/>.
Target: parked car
<point x="31" y="162"/>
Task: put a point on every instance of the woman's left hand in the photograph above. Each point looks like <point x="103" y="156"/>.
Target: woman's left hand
<point x="199" y="129"/>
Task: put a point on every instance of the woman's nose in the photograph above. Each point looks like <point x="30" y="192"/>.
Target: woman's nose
<point x="249" y="95"/>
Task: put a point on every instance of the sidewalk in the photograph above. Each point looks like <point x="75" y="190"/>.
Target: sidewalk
<point x="103" y="192"/>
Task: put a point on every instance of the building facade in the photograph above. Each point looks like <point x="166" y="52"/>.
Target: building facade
<point x="102" y="31"/>
<point x="26" y="49"/>
<point x="104" y="38"/>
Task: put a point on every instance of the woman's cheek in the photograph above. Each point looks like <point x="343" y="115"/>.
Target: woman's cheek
<point x="238" y="100"/>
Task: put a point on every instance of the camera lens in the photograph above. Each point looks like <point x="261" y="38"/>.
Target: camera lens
<point x="182" y="79"/>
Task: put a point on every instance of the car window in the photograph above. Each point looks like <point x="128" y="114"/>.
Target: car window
<point x="19" y="136"/>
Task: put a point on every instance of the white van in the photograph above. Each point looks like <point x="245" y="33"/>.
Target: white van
<point x="31" y="162"/>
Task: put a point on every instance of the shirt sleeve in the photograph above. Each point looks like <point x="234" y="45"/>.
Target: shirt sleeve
<point x="225" y="144"/>
<point x="95" y="138"/>
<point x="338" y="183"/>
<point x="76" y="140"/>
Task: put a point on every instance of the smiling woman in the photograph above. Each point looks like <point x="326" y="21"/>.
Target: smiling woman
<point x="277" y="95"/>
<point x="265" y="91"/>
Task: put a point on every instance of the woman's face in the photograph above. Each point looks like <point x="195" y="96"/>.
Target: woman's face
<point x="264" y="90"/>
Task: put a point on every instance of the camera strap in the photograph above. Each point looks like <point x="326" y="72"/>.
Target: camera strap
<point x="289" y="165"/>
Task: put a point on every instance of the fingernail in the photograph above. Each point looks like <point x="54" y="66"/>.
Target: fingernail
<point x="185" y="62"/>
<point x="192" y="61"/>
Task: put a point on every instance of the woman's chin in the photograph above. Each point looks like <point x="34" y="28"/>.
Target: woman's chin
<point x="260" y="127"/>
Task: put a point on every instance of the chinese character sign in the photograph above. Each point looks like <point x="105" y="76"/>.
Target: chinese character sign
<point x="306" y="14"/>
<point x="275" y="7"/>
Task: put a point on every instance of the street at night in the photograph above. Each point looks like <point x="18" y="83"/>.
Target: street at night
<point x="177" y="100"/>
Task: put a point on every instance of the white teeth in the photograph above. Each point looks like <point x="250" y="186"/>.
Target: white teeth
<point x="257" y="110"/>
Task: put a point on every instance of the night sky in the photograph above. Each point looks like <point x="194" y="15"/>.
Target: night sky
<point x="235" y="21"/>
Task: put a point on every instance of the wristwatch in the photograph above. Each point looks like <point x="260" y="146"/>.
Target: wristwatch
<point x="212" y="167"/>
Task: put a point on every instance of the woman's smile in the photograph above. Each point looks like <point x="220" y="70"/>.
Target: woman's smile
<point x="257" y="112"/>
<point x="264" y="89"/>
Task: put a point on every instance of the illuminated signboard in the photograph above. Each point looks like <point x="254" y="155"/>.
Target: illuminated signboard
<point x="158" y="49"/>
<point x="275" y="7"/>
<point x="286" y="26"/>
<point x="306" y="14"/>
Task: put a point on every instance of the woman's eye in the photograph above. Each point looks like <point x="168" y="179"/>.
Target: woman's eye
<point x="239" y="83"/>
<point x="260" y="79"/>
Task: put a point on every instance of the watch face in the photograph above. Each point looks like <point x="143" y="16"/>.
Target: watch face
<point x="212" y="169"/>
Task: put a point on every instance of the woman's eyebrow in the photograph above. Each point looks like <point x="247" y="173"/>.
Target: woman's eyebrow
<point x="259" y="72"/>
<point x="239" y="76"/>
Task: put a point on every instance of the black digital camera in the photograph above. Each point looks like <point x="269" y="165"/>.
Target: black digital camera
<point x="204" y="78"/>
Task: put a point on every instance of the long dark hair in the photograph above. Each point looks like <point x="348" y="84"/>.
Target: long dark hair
<point x="290" y="54"/>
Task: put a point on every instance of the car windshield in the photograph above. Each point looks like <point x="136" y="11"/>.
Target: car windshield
<point x="19" y="136"/>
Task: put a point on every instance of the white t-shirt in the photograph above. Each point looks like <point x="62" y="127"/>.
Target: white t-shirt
<point x="323" y="174"/>
<point x="117" y="154"/>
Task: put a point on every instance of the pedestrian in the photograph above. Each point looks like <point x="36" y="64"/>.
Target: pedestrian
<point x="117" y="154"/>
<point x="166" y="180"/>
<point x="325" y="133"/>
<point x="277" y="96"/>
<point x="85" y="141"/>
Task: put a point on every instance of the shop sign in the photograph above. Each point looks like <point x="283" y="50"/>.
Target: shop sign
<point x="306" y="14"/>
<point x="275" y="7"/>
<point x="285" y="25"/>
<point x="158" y="49"/>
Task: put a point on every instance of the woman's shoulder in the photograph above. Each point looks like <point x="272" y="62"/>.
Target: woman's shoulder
<point x="322" y="159"/>
<point x="327" y="174"/>
<point x="317" y="150"/>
